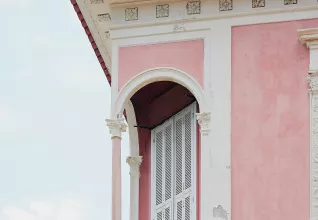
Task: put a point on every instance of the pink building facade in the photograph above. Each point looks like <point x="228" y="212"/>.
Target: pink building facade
<point x="220" y="102"/>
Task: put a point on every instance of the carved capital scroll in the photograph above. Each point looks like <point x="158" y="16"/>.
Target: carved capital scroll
<point x="116" y="127"/>
<point x="204" y="121"/>
<point x="134" y="163"/>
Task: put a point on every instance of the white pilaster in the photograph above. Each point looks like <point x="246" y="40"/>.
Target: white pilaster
<point x="310" y="38"/>
<point x="134" y="163"/>
<point x="116" y="127"/>
<point x="204" y="120"/>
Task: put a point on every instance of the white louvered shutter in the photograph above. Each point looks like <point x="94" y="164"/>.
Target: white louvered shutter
<point x="173" y="167"/>
<point x="184" y="146"/>
<point x="164" y="171"/>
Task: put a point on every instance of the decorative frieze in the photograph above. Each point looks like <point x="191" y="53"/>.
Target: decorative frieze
<point x="204" y="121"/>
<point x="162" y="11"/>
<point x="194" y="7"/>
<point x="258" y="3"/>
<point x="131" y="14"/>
<point x="134" y="163"/>
<point x="225" y="5"/>
<point x="104" y="17"/>
<point x="290" y="2"/>
<point x="116" y="127"/>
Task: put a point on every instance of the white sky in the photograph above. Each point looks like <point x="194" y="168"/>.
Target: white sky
<point x="55" y="150"/>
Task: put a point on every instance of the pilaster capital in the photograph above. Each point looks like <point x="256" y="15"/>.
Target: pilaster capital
<point x="309" y="37"/>
<point x="204" y="119"/>
<point x="134" y="163"/>
<point x="116" y="127"/>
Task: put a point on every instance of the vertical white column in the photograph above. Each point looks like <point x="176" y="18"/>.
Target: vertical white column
<point x="116" y="127"/>
<point x="134" y="163"/>
<point x="310" y="38"/>
<point x="204" y="119"/>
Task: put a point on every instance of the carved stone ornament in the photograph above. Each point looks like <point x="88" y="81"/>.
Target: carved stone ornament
<point x="162" y="11"/>
<point x="290" y="2"/>
<point x="312" y="79"/>
<point x="131" y="14"/>
<point x="258" y="3"/>
<point x="97" y="1"/>
<point x="134" y="163"/>
<point x="225" y="5"/>
<point x="116" y="127"/>
<point x="204" y="121"/>
<point x="194" y="7"/>
<point x="104" y="17"/>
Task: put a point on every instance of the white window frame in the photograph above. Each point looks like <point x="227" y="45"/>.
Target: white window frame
<point x="193" y="108"/>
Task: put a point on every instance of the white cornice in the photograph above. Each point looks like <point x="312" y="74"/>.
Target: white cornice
<point x="309" y="37"/>
<point x="131" y="3"/>
<point x="102" y="47"/>
<point x="214" y="17"/>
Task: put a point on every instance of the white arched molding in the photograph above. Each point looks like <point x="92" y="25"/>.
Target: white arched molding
<point x="134" y="160"/>
<point x="184" y="79"/>
<point x="310" y="38"/>
<point x="155" y="75"/>
<point x="133" y="132"/>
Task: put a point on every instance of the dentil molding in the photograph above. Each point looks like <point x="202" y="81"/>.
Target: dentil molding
<point x="116" y="127"/>
<point x="134" y="163"/>
<point x="204" y="119"/>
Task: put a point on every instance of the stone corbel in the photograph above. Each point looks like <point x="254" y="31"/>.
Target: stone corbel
<point x="310" y="38"/>
<point x="116" y="127"/>
<point x="134" y="163"/>
<point x="204" y="119"/>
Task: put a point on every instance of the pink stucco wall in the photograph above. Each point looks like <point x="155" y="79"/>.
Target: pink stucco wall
<point x="270" y="122"/>
<point x="186" y="56"/>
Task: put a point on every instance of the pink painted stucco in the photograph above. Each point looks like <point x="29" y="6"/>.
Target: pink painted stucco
<point x="270" y="122"/>
<point x="186" y="56"/>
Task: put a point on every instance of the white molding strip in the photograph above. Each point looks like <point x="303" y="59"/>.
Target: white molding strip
<point x="194" y="25"/>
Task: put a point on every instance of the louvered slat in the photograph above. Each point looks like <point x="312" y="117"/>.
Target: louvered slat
<point x="179" y="157"/>
<point x="159" y="167"/>
<point x="187" y="208"/>
<point x="187" y="150"/>
<point x="168" y="162"/>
